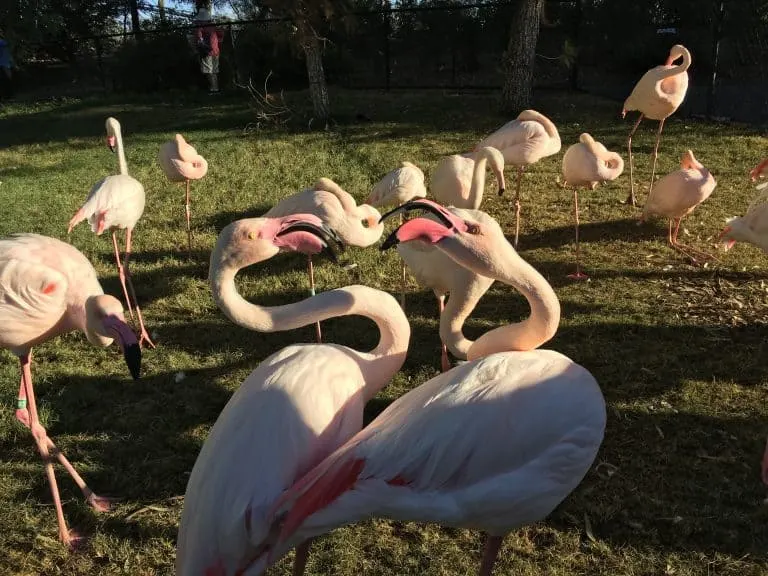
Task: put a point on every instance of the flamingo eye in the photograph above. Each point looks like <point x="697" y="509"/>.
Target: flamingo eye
<point x="251" y="235"/>
<point x="473" y="229"/>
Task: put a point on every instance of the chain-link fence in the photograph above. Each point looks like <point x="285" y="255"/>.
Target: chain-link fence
<point x="602" y="46"/>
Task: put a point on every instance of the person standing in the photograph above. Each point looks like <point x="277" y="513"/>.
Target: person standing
<point x="6" y="62"/>
<point x="208" y="38"/>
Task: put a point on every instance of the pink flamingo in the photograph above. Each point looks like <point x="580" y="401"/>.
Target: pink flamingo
<point x="459" y="179"/>
<point x="355" y="225"/>
<point x="457" y="288"/>
<point x="587" y="163"/>
<point x="395" y="188"/>
<point x="181" y="163"/>
<point x="759" y="171"/>
<point x="752" y="227"/>
<point x="524" y="141"/>
<point x="48" y="288"/>
<point x="677" y="195"/>
<point x="114" y="203"/>
<point x="657" y="96"/>
<point x="299" y="405"/>
<point x="494" y="444"/>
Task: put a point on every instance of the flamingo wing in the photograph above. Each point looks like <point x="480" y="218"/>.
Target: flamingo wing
<point x="495" y="442"/>
<point x="32" y="299"/>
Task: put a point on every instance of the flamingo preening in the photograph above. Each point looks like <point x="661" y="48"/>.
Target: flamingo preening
<point x="459" y="179"/>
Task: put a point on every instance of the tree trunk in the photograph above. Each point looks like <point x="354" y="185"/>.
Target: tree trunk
<point x="518" y="60"/>
<point x="161" y="10"/>
<point x="135" y="23"/>
<point x="315" y="72"/>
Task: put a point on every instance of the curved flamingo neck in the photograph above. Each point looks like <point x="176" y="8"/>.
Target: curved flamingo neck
<point x="478" y="182"/>
<point x="460" y="305"/>
<point x="120" y="151"/>
<point x="539" y="327"/>
<point x="378" y="366"/>
<point x="679" y="69"/>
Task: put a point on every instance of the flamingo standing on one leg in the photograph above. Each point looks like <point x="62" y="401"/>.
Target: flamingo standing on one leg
<point x="677" y="195"/>
<point x="116" y="202"/>
<point x="457" y="288"/>
<point x="459" y="179"/>
<point x="587" y="163"/>
<point x="181" y="163"/>
<point x="524" y="141"/>
<point x="395" y="188"/>
<point x="657" y="96"/>
<point x="494" y="444"/>
<point x="339" y="211"/>
<point x="48" y="288"/>
<point x="299" y="405"/>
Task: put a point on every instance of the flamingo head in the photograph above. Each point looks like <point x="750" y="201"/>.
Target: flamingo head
<point x="677" y="51"/>
<point x="251" y="240"/>
<point x="759" y="171"/>
<point x="689" y="162"/>
<point x="113" y="132"/>
<point x="105" y="323"/>
<point x="731" y="233"/>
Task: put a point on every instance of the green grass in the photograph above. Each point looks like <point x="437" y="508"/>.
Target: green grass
<point x="678" y="350"/>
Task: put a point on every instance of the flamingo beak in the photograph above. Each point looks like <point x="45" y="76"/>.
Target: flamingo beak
<point x="727" y="244"/>
<point x="447" y="218"/>
<point x="111" y="143"/>
<point x="329" y="239"/>
<point x="501" y="191"/>
<point x="128" y="343"/>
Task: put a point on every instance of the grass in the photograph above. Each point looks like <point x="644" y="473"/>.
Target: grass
<point x="678" y="350"/>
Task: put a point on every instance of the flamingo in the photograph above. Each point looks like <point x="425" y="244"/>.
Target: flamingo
<point x="181" y="163"/>
<point x="395" y="188"/>
<point x="457" y="288"/>
<point x="657" y="96"/>
<point x="48" y="288"/>
<point x="752" y="227"/>
<point x="339" y="211"/>
<point x="677" y="195"/>
<point x="459" y="179"/>
<point x="587" y="163"/>
<point x="759" y="171"/>
<point x="494" y="444"/>
<point x="299" y="405"/>
<point x="524" y="141"/>
<point x="116" y="202"/>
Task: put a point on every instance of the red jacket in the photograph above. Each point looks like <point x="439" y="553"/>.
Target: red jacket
<point x="212" y="35"/>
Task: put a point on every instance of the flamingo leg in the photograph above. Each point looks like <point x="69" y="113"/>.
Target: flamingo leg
<point x="144" y="336"/>
<point x="655" y="156"/>
<point x="445" y="363"/>
<point x="689" y="251"/>
<point x="312" y="292"/>
<point x="491" y="551"/>
<point x="631" y="197"/>
<point x="188" y="213"/>
<point x="578" y="275"/>
<point x="121" y="272"/>
<point x="42" y="441"/>
<point x="300" y="561"/>
<point x="98" y="503"/>
<point x="404" y="278"/>
<point x="517" y="203"/>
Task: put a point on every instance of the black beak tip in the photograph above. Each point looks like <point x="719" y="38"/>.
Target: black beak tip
<point x="133" y="360"/>
<point x="501" y="191"/>
<point x="391" y="241"/>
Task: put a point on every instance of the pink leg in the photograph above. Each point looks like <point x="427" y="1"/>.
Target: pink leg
<point x="121" y="273"/>
<point x="98" y="503"/>
<point x="631" y="198"/>
<point x="300" y="562"/>
<point x="144" y="336"/>
<point x="492" y="546"/>
<point x="189" y="226"/>
<point x="689" y="251"/>
<point x="655" y="156"/>
<point x="517" y="203"/>
<point x="445" y="363"/>
<point x="578" y="275"/>
<point x="318" y="332"/>
<point x="41" y="440"/>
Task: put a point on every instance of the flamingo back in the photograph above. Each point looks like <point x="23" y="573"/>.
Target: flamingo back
<point x="678" y="193"/>
<point x="522" y="142"/>
<point x="119" y="198"/>
<point x="180" y="164"/>
<point x="398" y="186"/>
<point x="452" y="180"/>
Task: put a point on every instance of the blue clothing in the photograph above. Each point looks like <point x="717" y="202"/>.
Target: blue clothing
<point x="5" y="54"/>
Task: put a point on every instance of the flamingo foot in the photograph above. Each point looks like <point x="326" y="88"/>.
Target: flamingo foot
<point x="100" y="503"/>
<point x="72" y="539"/>
<point x="578" y="275"/>
<point x="631" y="200"/>
<point x="144" y="337"/>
